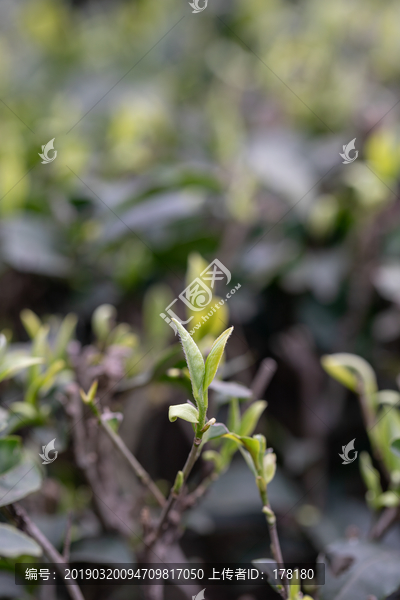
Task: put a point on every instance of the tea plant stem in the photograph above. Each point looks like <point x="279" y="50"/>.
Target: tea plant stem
<point x="385" y="521"/>
<point x="273" y="533"/>
<point x="139" y="471"/>
<point x="59" y="562"/>
<point x="173" y="496"/>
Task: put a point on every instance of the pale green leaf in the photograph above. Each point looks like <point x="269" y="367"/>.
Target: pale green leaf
<point x="187" y="412"/>
<point x="14" y="543"/>
<point x="195" y="363"/>
<point x="214" y="357"/>
<point x="14" y="363"/>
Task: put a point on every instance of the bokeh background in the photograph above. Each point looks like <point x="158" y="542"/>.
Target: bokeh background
<point x="217" y="135"/>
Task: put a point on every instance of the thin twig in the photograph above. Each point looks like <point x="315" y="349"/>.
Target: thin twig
<point x="263" y="377"/>
<point x="173" y="496"/>
<point x="139" y="471"/>
<point x="273" y="534"/>
<point x="67" y="539"/>
<point x="54" y="557"/>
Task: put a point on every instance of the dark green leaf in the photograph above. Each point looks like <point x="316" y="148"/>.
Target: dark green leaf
<point x="14" y="543"/>
<point x="17" y="483"/>
<point x="10" y="453"/>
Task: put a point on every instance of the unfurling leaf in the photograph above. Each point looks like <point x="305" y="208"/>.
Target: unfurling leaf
<point x="187" y="412"/>
<point x="195" y="363"/>
<point x="214" y="358"/>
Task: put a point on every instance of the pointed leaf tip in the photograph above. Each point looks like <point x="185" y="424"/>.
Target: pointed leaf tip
<point x="194" y="360"/>
<point x="215" y="356"/>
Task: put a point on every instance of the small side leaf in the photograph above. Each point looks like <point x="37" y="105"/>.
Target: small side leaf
<point x="214" y="358"/>
<point x="349" y="370"/>
<point x="187" y="412"/>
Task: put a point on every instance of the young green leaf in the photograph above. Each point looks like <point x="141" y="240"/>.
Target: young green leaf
<point x="214" y="358"/>
<point x="187" y="412"/>
<point x="195" y="363"/>
<point x="350" y="370"/>
<point x="251" y="416"/>
<point x="252" y="445"/>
